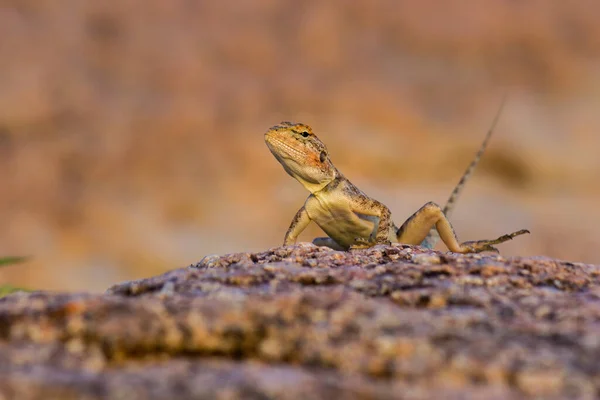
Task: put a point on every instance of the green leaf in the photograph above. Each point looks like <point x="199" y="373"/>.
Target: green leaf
<point x="8" y="289"/>
<point x="5" y="290"/>
<point x="11" y="260"/>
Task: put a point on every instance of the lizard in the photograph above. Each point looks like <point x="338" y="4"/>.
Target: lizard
<point x="349" y="217"/>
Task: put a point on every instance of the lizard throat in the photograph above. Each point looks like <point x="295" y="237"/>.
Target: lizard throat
<point x="294" y="162"/>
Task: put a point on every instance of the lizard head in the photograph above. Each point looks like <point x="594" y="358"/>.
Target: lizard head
<point x="301" y="154"/>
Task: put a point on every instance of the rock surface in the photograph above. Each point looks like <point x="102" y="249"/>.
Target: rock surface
<point x="307" y="322"/>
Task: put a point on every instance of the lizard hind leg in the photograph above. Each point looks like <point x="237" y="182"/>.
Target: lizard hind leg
<point x="433" y="237"/>
<point x="416" y="228"/>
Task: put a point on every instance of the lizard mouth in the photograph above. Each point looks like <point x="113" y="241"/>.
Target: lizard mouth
<point x="282" y="149"/>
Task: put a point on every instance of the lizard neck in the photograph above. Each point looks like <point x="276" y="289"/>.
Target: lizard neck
<point x="313" y="187"/>
<point x="326" y="187"/>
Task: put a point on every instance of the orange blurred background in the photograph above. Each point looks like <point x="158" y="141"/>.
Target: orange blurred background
<point x="131" y="132"/>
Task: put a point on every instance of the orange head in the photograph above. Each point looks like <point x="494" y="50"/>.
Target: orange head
<point x="301" y="154"/>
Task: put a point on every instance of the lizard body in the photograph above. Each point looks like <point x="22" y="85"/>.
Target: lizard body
<point x="350" y="218"/>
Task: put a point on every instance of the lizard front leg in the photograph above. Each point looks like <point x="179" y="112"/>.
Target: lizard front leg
<point x="380" y="216"/>
<point x="299" y="223"/>
<point x="415" y="229"/>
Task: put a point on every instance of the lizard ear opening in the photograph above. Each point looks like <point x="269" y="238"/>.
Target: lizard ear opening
<point x="323" y="156"/>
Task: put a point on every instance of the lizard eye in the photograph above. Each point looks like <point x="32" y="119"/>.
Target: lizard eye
<point x="304" y="134"/>
<point x="323" y="156"/>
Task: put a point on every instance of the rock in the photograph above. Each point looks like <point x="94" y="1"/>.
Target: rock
<point x="306" y="322"/>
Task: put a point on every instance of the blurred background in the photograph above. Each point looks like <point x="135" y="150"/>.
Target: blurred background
<point x="131" y="132"/>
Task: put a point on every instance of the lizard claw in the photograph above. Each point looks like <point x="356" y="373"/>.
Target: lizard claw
<point x="361" y="243"/>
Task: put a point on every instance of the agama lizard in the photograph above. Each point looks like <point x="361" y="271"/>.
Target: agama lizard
<point x="352" y="219"/>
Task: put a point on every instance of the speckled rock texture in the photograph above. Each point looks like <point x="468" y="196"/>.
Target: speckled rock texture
<point x="299" y="322"/>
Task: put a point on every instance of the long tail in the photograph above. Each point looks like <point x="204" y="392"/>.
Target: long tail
<point x="433" y="237"/>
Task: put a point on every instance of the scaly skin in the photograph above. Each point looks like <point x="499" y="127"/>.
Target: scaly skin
<point x="350" y="218"/>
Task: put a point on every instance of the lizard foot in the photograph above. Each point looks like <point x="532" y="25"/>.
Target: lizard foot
<point x="477" y="246"/>
<point x="362" y="243"/>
